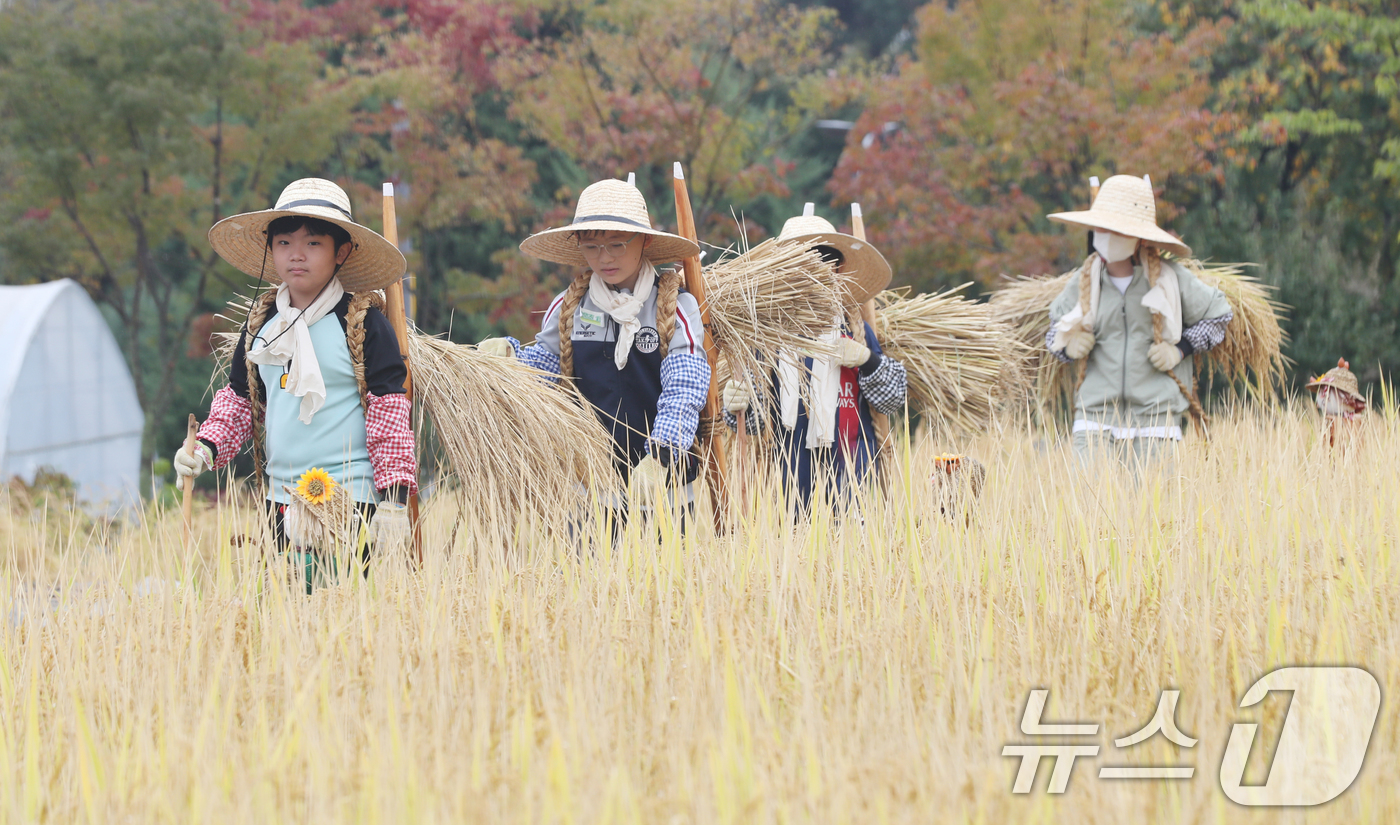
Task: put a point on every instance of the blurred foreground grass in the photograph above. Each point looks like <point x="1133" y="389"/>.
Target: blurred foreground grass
<point x="839" y="671"/>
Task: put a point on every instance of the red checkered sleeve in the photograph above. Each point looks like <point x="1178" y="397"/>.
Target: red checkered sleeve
<point x="228" y="426"/>
<point x="389" y="436"/>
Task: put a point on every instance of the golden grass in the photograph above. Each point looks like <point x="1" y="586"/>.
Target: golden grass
<point x="836" y="671"/>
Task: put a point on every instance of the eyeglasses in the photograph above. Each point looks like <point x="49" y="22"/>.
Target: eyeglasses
<point x="615" y="249"/>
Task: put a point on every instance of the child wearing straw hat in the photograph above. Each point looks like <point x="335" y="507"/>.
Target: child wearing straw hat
<point x="836" y="434"/>
<point x="626" y="332"/>
<point x="317" y="379"/>
<point x="1130" y="319"/>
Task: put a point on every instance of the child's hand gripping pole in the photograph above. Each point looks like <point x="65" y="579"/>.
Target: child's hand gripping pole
<point x="868" y="314"/>
<point x="398" y="319"/>
<point x="695" y="285"/>
<point x="187" y="482"/>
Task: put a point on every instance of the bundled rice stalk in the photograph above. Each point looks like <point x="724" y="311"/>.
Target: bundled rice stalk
<point x="509" y="436"/>
<point x="516" y="443"/>
<point x="777" y="296"/>
<point x="1023" y="308"/>
<point x="1251" y="356"/>
<point x="963" y="365"/>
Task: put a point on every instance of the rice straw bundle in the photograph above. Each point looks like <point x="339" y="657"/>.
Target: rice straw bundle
<point x="518" y="444"/>
<point x="962" y="364"/>
<point x="1251" y="355"/>
<point x="509" y="435"/>
<point x="777" y="296"/>
<point x="1023" y="308"/>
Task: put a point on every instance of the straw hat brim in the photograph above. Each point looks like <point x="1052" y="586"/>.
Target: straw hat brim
<point x="560" y="246"/>
<point x="866" y="273"/>
<point x="1125" y="225"/>
<point x="242" y="241"/>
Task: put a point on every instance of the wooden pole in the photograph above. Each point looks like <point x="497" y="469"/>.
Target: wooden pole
<point x="187" y="506"/>
<point x="868" y="314"/>
<point x="695" y="284"/>
<point x="398" y="319"/>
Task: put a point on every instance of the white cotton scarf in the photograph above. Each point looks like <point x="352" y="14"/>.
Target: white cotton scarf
<point x="292" y="350"/>
<point x="825" y="395"/>
<point x="1163" y="299"/>
<point x="623" y="308"/>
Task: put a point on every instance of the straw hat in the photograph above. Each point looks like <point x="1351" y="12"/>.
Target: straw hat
<point x="1125" y="205"/>
<point x="1338" y="378"/>
<point x="606" y="206"/>
<point x="866" y="272"/>
<point x="242" y="239"/>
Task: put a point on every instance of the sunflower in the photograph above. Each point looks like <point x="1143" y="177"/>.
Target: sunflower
<point x="316" y="486"/>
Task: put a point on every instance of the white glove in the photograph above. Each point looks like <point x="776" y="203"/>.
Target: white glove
<point x="497" y="346"/>
<point x="1078" y="342"/>
<point x="737" y="397"/>
<point x="389" y="530"/>
<point x="852" y="353"/>
<point x="647" y="478"/>
<point x="194" y="462"/>
<point x="1164" y="356"/>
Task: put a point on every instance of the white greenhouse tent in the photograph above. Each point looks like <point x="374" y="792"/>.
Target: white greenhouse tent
<point x="67" y="401"/>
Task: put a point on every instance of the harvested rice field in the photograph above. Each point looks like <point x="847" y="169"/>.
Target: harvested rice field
<point x="869" y="667"/>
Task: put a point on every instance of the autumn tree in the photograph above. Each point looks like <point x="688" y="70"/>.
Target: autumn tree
<point x="1008" y="109"/>
<point x="127" y="129"/>
<point x="724" y="87"/>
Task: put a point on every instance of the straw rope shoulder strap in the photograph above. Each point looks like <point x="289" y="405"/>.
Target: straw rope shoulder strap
<point x="1086" y="287"/>
<point x="1153" y="260"/>
<point x="360" y="304"/>
<point x="257" y="317"/>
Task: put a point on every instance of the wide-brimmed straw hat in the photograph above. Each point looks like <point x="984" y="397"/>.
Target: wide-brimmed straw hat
<point x="241" y="240"/>
<point x="1125" y="205"/>
<point x="607" y="206"/>
<point x="1339" y="377"/>
<point x="866" y="272"/>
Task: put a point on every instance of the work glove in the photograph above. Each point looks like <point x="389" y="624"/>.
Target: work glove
<point x="1078" y="342"/>
<point x="497" y="346"/>
<point x="1164" y="356"/>
<point x="648" y="479"/>
<point x="737" y="397"/>
<point x="194" y="461"/>
<point x="852" y="353"/>
<point x="389" y="530"/>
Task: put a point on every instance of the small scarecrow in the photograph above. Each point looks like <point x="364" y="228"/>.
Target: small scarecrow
<point x="836" y="435"/>
<point x="1339" y="400"/>
<point x="1130" y="319"/>
<point x="317" y="378"/>
<point x="627" y="334"/>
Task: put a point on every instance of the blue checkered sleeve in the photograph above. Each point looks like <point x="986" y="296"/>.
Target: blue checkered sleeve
<point x="1204" y="335"/>
<point x="536" y="356"/>
<point x="1058" y="353"/>
<point x="685" y="385"/>
<point x="886" y="388"/>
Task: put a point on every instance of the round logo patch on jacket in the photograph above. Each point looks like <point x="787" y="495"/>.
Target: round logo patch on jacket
<point x="646" y="340"/>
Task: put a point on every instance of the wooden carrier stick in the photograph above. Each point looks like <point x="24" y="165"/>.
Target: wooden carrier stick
<point x="695" y="285"/>
<point x="187" y="506"/>
<point x="394" y="308"/>
<point x="868" y="314"/>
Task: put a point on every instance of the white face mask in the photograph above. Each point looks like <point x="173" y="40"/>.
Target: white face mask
<point x="1114" y="248"/>
<point x="1328" y="402"/>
